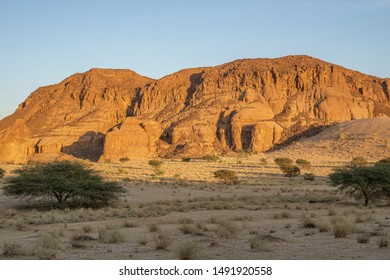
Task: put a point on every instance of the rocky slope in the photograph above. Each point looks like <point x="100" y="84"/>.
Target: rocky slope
<point x="249" y="104"/>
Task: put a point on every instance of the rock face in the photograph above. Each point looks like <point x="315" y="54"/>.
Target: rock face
<point x="74" y="116"/>
<point x="15" y="143"/>
<point x="132" y="138"/>
<point x="249" y="104"/>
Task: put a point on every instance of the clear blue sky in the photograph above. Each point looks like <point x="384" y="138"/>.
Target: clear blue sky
<point x="43" y="42"/>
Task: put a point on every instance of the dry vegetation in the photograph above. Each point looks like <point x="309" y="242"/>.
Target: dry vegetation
<point x="187" y="213"/>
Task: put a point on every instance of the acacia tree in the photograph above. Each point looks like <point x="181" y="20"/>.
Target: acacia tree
<point x="67" y="182"/>
<point x="369" y="182"/>
<point x="226" y="176"/>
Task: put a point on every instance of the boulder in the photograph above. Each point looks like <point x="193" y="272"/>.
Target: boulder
<point x="132" y="138"/>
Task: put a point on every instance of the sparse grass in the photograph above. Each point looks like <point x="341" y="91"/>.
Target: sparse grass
<point x="282" y="215"/>
<point x="163" y="240"/>
<point x="130" y="224"/>
<point x="226" y="230"/>
<point x="11" y="249"/>
<point x="110" y="236"/>
<point x="186" y="221"/>
<point x="193" y="229"/>
<point x="188" y="251"/>
<point x="153" y="227"/>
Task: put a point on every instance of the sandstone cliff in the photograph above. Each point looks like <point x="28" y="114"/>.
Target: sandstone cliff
<point x="249" y="104"/>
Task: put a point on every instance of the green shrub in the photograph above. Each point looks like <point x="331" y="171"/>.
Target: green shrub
<point x="263" y="161"/>
<point x="156" y="164"/>
<point x="211" y="158"/>
<point x="358" y="161"/>
<point x="368" y="182"/>
<point x="227" y="176"/>
<point x="281" y="161"/>
<point x="70" y="183"/>
<point x="290" y="170"/>
<point x="124" y="159"/>
<point x="186" y="159"/>
<point x="2" y="173"/>
<point x="363" y="239"/>
<point x="309" y="177"/>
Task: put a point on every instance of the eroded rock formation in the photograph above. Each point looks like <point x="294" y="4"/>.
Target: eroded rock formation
<point x="249" y="104"/>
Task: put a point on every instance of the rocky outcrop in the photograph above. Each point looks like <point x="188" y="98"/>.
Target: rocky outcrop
<point x="249" y="104"/>
<point x="73" y="116"/>
<point x="15" y="144"/>
<point x="132" y="138"/>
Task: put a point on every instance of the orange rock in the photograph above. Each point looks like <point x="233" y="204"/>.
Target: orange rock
<point x="248" y="104"/>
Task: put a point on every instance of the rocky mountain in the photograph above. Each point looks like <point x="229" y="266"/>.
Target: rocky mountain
<point x="248" y="104"/>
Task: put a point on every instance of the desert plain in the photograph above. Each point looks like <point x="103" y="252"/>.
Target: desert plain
<point x="187" y="213"/>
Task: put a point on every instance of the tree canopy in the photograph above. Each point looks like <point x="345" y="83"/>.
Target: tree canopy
<point x="367" y="181"/>
<point x="68" y="182"/>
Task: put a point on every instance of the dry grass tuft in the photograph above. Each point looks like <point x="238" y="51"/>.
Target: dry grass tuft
<point x="384" y="241"/>
<point x="308" y="222"/>
<point x="87" y="228"/>
<point x="130" y="224"/>
<point x="142" y="241"/>
<point x="226" y="230"/>
<point x="46" y="246"/>
<point x="188" y="251"/>
<point x="154" y="227"/>
<point x="363" y="239"/>
<point x="342" y="227"/>
<point x="110" y="236"/>
<point x="163" y="240"/>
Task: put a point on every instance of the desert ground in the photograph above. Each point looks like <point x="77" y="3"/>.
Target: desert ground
<point x="186" y="213"/>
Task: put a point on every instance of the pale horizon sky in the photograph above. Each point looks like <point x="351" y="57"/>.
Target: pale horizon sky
<point x="43" y="42"/>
